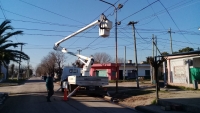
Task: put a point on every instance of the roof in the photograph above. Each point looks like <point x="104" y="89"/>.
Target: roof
<point x="183" y="55"/>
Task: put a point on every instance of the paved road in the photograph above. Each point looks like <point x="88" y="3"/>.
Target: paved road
<point x="30" y="98"/>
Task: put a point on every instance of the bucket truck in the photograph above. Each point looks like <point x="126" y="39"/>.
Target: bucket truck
<point x="71" y="77"/>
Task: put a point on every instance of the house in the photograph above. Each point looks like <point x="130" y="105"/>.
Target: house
<point x="109" y="70"/>
<point x="183" y="69"/>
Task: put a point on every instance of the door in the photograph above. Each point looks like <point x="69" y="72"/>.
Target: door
<point x="120" y="74"/>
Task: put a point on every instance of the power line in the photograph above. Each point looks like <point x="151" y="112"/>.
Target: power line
<point x="98" y="37"/>
<point x="51" y="12"/>
<point x="140" y="10"/>
<point x="174" y="21"/>
<point x="5" y="15"/>
<point x="40" y="21"/>
<point x="87" y="32"/>
<point x="157" y="16"/>
<point x="2" y="10"/>
<point x="163" y="11"/>
<point x="46" y="23"/>
<point x="147" y="22"/>
<point x="141" y="36"/>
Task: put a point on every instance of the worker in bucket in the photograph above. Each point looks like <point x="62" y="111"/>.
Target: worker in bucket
<point x="50" y="87"/>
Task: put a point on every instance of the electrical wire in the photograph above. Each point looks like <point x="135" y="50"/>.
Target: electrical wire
<point x="107" y="16"/>
<point x="173" y="7"/>
<point x="157" y="16"/>
<point x="90" y="30"/>
<point x="57" y="24"/>
<point x="173" y="21"/>
<point x="139" y="10"/>
<point x="141" y="36"/>
<point x="5" y="16"/>
<point x="51" y="11"/>
<point x="2" y="10"/>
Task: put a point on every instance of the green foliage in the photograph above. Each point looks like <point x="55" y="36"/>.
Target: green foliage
<point x="187" y="49"/>
<point x="181" y="87"/>
<point x="6" y="53"/>
<point x="154" y="102"/>
<point x="165" y="53"/>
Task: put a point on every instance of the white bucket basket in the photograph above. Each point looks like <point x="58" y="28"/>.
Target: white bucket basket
<point x="104" y="29"/>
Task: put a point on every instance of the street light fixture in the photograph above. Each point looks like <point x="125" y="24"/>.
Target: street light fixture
<point x="116" y="23"/>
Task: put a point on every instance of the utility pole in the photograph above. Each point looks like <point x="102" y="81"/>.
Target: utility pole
<point x="136" y="64"/>
<point x="156" y="45"/>
<point x="152" y="69"/>
<point x="19" y="64"/>
<point x="116" y="57"/>
<point x="170" y="33"/>
<point x="124" y="62"/>
<point x="79" y="51"/>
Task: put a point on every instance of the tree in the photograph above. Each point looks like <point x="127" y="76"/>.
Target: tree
<point x="60" y="59"/>
<point x="186" y="49"/>
<point x="40" y="70"/>
<point x="6" y="53"/>
<point x="51" y="64"/>
<point x="165" y="53"/>
<point x="119" y="60"/>
<point x="102" y="57"/>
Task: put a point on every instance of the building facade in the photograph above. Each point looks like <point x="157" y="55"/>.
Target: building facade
<point x="127" y="71"/>
<point x="183" y="70"/>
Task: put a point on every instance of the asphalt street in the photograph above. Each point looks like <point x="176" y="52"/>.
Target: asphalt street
<point x="31" y="98"/>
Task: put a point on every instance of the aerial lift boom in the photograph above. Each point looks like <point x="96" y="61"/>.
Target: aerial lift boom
<point x="104" y="29"/>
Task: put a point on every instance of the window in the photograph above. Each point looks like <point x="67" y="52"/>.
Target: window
<point x="113" y="73"/>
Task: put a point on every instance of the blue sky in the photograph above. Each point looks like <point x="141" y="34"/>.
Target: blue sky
<point x="45" y="22"/>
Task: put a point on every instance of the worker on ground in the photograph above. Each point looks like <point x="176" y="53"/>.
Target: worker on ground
<point x="50" y="87"/>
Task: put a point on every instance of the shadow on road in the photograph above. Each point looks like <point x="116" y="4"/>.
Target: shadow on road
<point x="36" y="103"/>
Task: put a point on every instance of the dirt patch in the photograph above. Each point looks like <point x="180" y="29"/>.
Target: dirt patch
<point x="133" y="97"/>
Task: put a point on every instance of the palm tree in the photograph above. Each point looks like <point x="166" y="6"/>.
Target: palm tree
<point x="7" y="54"/>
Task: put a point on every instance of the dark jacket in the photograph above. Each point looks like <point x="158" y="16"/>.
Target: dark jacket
<point x="49" y="83"/>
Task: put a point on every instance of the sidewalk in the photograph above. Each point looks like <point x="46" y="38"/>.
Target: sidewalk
<point x="177" y="105"/>
<point x="155" y="109"/>
<point x="185" y="101"/>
